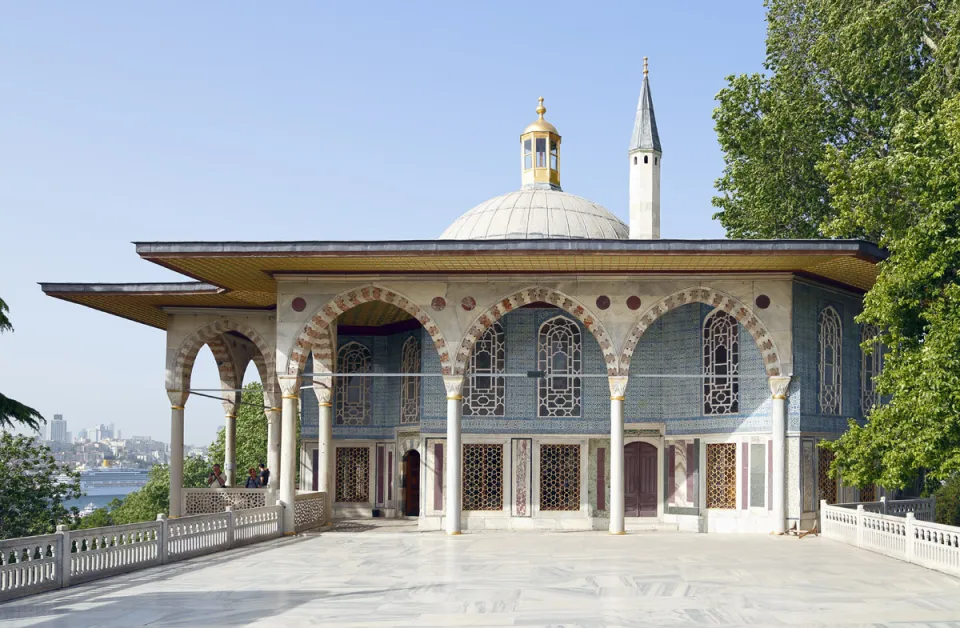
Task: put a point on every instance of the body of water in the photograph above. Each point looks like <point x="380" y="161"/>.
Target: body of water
<point x="98" y="501"/>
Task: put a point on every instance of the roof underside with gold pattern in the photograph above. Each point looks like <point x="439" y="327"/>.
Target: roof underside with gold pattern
<point x="243" y="274"/>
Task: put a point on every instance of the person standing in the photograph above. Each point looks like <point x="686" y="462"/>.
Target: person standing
<point x="216" y="479"/>
<point x="264" y="476"/>
<point x="252" y="480"/>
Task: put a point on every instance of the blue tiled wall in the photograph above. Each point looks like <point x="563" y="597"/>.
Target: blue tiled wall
<point x="808" y="301"/>
<point x="673" y="345"/>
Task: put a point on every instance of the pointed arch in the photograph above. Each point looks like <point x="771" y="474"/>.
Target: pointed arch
<point x="714" y="298"/>
<point x="212" y="334"/>
<point x="527" y="296"/>
<point x="316" y="336"/>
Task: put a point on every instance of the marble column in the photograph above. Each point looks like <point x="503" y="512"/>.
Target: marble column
<point x="288" y="450"/>
<point x="325" y="461"/>
<point x="618" y="388"/>
<point x="779" y="387"/>
<point x="452" y="481"/>
<point x="177" y="401"/>
<point x="273" y="445"/>
<point x="230" y="449"/>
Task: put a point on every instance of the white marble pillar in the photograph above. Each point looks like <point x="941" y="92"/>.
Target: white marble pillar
<point x="273" y="445"/>
<point x="230" y="448"/>
<point x="325" y="477"/>
<point x="618" y="388"/>
<point x="452" y="481"/>
<point x="177" y="401"/>
<point x="779" y="387"/>
<point x="288" y="450"/>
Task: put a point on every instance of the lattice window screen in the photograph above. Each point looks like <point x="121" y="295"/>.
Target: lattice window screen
<point x="482" y="388"/>
<point x="870" y="365"/>
<point x="559" y="355"/>
<point x="410" y="386"/>
<point x="559" y="477"/>
<point x="353" y="474"/>
<point x="829" y="364"/>
<point x="722" y="475"/>
<point x="483" y="477"/>
<point x="826" y="486"/>
<point x="721" y="364"/>
<point x="868" y="493"/>
<point x="353" y="391"/>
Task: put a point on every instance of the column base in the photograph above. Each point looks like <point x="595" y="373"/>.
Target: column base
<point x="619" y="533"/>
<point x="453" y="533"/>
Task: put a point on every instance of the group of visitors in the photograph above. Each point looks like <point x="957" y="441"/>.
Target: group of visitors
<point x="217" y="479"/>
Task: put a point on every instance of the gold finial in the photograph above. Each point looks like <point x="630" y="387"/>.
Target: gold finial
<point x="541" y="109"/>
<point x="645" y="70"/>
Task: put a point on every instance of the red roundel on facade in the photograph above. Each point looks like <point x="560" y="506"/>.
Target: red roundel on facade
<point x="763" y="301"/>
<point x="468" y="303"/>
<point x="438" y="303"/>
<point x="603" y="302"/>
<point x="633" y="303"/>
<point x="299" y="304"/>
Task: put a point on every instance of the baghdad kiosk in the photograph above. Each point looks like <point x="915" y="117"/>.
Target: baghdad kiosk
<point x="540" y="365"/>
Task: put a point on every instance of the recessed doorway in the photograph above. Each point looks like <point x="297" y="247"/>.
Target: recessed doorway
<point x="411" y="483"/>
<point x="640" y="480"/>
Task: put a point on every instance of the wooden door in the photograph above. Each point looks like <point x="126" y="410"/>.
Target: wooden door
<point x="631" y="479"/>
<point x="411" y="483"/>
<point x="648" y="480"/>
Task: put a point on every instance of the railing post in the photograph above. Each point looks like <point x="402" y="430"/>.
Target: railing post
<point x="909" y="547"/>
<point x="883" y="505"/>
<point x="63" y="556"/>
<point x="162" y="538"/>
<point x="230" y="524"/>
<point x="859" y="525"/>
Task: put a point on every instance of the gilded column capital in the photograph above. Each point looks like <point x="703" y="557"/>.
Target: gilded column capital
<point x="290" y="385"/>
<point x="618" y="387"/>
<point x="779" y="386"/>
<point x="178" y="398"/>
<point x="324" y="394"/>
<point x="454" y="386"/>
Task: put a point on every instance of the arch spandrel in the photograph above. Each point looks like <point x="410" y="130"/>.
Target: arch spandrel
<point x="535" y="294"/>
<point x="714" y="298"/>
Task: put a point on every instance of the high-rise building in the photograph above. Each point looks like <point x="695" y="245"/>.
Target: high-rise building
<point x="58" y="429"/>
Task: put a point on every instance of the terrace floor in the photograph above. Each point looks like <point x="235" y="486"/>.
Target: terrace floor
<point x="388" y="574"/>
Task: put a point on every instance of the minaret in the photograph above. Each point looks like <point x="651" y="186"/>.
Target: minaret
<point x="540" y="154"/>
<point x="644" y="158"/>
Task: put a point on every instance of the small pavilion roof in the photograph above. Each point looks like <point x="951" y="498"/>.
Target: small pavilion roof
<point x="243" y="274"/>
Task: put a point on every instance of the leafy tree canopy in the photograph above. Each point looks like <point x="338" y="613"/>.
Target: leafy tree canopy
<point x="251" y="434"/>
<point x="853" y="132"/>
<point x="12" y="411"/>
<point x="31" y="497"/>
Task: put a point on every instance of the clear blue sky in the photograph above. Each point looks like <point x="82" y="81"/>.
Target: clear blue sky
<point x="304" y="120"/>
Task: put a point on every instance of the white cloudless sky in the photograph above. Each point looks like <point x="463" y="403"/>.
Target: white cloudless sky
<point x="124" y="122"/>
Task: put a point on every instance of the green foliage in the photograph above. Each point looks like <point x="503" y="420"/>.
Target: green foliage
<point x="854" y="132"/>
<point x="31" y="498"/>
<point x="12" y="411"/>
<point x="251" y="434"/>
<point x="948" y="502"/>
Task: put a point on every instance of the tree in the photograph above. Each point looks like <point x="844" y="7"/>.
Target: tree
<point x="34" y="488"/>
<point x="251" y="441"/>
<point x="853" y="133"/>
<point x="12" y="411"/>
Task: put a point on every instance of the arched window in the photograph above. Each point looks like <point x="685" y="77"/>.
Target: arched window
<point x="483" y="385"/>
<point x="353" y="391"/>
<point x="559" y="357"/>
<point x="870" y="366"/>
<point x="721" y="364"/>
<point x="829" y="361"/>
<point x="410" y="386"/>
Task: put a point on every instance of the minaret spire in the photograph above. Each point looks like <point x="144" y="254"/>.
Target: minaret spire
<point x="644" y="154"/>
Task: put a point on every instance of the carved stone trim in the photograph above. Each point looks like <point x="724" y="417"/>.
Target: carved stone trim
<point x="618" y="387"/>
<point x="779" y="386"/>
<point x="454" y="386"/>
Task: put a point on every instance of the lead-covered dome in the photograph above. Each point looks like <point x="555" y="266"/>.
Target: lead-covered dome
<point x="536" y="214"/>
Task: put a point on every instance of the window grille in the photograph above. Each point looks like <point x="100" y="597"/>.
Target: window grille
<point x="410" y="386"/>
<point x="870" y="366"/>
<point x="353" y="391"/>
<point x="868" y="493"/>
<point x="483" y="477"/>
<point x="353" y="474"/>
<point x="830" y="366"/>
<point x="559" y="477"/>
<point x="483" y="386"/>
<point x="721" y="364"/>
<point x="826" y="485"/>
<point x="722" y="475"/>
<point x="559" y="357"/>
